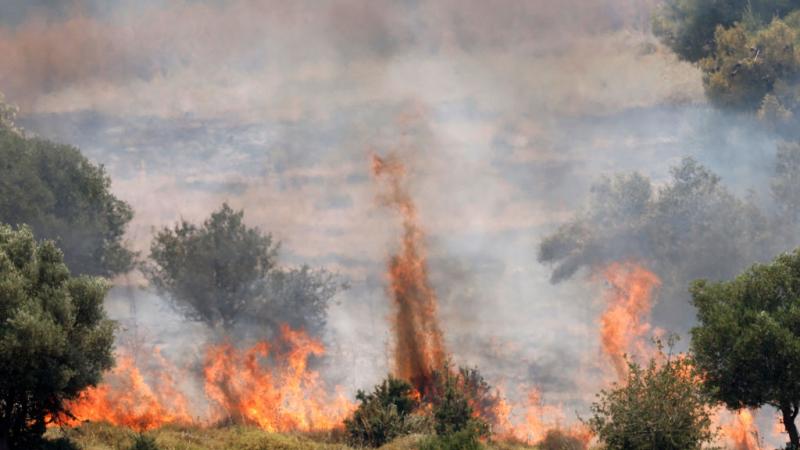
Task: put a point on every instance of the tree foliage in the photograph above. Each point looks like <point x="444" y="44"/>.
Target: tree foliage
<point x="683" y="230"/>
<point x="62" y="196"/>
<point x="747" y="343"/>
<point x="55" y="339"/>
<point x="223" y="272"/>
<point x="383" y="414"/>
<point x="688" y="27"/>
<point x="660" y="406"/>
<point x="454" y="399"/>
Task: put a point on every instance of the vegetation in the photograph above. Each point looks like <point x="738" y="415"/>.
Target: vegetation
<point x="452" y="405"/>
<point x="660" y="406"/>
<point x="383" y="415"/>
<point x="747" y="343"/>
<point x="143" y="442"/>
<point x="99" y="436"/>
<point x="223" y="273"/>
<point x="556" y="439"/>
<point x="62" y="196"/>
<point x="55" y="339"/>
<point x="688" y="26"/>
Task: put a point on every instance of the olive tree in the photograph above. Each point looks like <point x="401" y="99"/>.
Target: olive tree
<point x="747" y="343"/>
<point x="224" y="273"/>
<point x="62" y="196"/>
<point x="55" y="339"/>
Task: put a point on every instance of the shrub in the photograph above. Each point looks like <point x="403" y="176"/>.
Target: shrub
<point x="383" y="415"/>
<point x="465" y="439"/>
<point x="143" y="442"/>
<point x="661" y="405"/>
<point x="560" y="440"/>
<point x="452" y="400"/>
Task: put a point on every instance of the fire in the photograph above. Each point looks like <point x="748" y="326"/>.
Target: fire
<point x="283" y="396"/>
<point x="269" y="385"/>
<point x="530" y="420"/>
<point x="741" y="432"/>
<point x="418" y="338"/>
<point x="128" y="398"/>
<point x="623" y="324"/>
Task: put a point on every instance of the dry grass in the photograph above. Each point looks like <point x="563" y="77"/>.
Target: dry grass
<point x="98" y="436"/>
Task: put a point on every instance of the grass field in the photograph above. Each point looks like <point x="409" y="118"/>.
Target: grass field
<point x="98" y="436"/>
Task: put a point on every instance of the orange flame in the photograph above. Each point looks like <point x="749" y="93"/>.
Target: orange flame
<point x="529" y="421"/>
<point x="623" y="324"/>
<point x="127" y="398"/>
<point x="269" y="385"/>
<point x="419" y="343"/>
<point x="284" y="396"/>
<point x="741" y="432"/>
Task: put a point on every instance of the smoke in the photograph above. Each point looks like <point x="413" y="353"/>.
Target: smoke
<point x="509" y="112"/>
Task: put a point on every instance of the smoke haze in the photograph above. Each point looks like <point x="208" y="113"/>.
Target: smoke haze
<point x="505" y="113"/>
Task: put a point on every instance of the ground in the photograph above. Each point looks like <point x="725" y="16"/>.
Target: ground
<point x="97" y="436"/>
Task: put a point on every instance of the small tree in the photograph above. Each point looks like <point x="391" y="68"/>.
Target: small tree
<point x="747" y="344"/>
<point x="55" y="339"/>
<point x="383" y="414"/>
<point x="660" y="406"/>
<point x="454" y="398"/>
<point x="211" y="272"/>
<point x="224" y="273"/>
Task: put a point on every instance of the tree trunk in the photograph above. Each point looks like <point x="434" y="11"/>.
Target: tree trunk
<point x="789" y="413"/>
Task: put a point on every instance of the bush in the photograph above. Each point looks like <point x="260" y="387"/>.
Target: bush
<point x="143" y="442"/>
<point x="452" y="403"/>
<point x="661" y="406"/>
<point x="383" y="415"/>
<point x="560" y="440"/>
<point x="465" y="439"/>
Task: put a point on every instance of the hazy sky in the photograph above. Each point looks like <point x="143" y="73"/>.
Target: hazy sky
<point x="504" y="111"/>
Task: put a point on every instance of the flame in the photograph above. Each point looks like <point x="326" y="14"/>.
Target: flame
<point x="268" y="384"/>
<point x="126" y="397"/>
<point x="623" y="324"/>
<point x="418" y="338"/>
<point x="530" y="420"/>
<point x="283" y="396"/>
<point x="741" y="433"/>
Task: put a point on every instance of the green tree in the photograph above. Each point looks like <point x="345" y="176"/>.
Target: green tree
<point x="383" y="414"/>
<point x="455" y="399"/>
<point x="688" y="26"/>
<point x="747" y="343"/>
<point x="62" y="196"/>
<point x="55" y="339"/>
<point x="748" y="65"/>
<point x="224" y="273"/>
<point x="212" y="271"/>
<point x="660" y="406"/>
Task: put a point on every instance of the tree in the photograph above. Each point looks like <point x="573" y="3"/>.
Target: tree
<point x="660" y="406"/>
<point x="62" y="196"/>
<point x="688" y="26"/>
<point x="748" y="65"/>
<point x="224" y="273"/>
<point x="683" y="230"/>
<point x="212" y="271"/>
<point x="383" y="414"/>
<point x="747" y="343"/>
<point x="55" y="339"/>
<point x="454" y="397"/>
